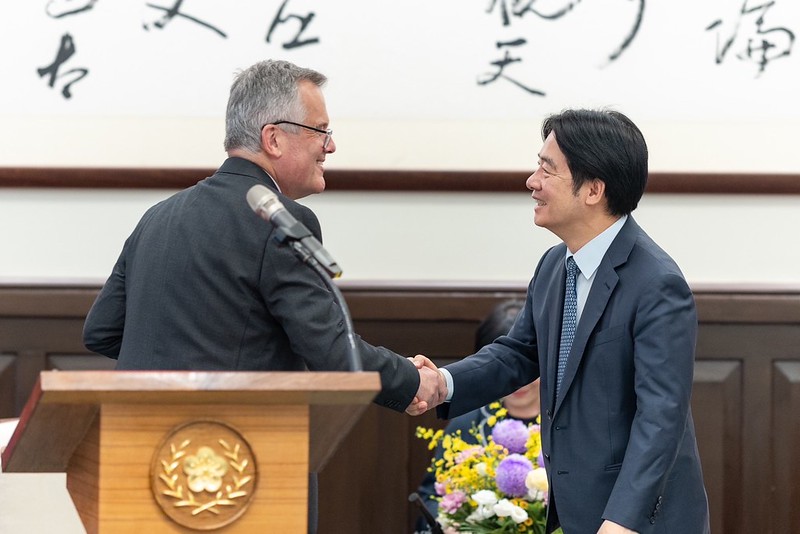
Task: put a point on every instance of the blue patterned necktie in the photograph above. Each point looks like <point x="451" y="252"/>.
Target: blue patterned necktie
<point x="570" y="321"/>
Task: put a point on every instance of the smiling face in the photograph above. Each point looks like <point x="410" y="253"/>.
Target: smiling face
<point x="558" y="207"/>
<point x="299" y="169"/>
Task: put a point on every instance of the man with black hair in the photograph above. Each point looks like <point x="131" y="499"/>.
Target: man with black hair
<point x="610" y="327"/>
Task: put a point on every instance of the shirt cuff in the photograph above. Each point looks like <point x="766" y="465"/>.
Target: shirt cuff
<point x="448" y="379"/>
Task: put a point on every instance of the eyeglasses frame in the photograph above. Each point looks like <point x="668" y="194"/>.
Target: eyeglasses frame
<point x="328" y="133"/>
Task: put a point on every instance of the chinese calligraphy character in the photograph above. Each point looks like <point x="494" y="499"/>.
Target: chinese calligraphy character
<point x="518" y="8"/>
<point x="304" y="22"/>
<point x="175" y="11"/>
<point x="65" y="51"/>
<point x="62" y="8"/>
<point x="764" y="46"/>
<point x="501" y="64"/>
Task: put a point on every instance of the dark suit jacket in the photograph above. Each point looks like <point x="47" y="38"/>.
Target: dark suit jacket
<point x="619" y="440"/>
<point x="201" y="284"/>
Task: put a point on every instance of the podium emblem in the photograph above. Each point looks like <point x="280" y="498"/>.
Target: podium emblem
<point x="203" y="475"/>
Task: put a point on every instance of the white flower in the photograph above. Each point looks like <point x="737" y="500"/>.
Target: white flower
<point x="537" y="480"/>
<point x="481" y="513"/>
<point x="443" y="520"/>
<point x="518" y="515"/>
<point x="480" y="468"/>
<point x="503" y="508"/>
<point x="485" y="498"/>
<point x="506" y="508"/>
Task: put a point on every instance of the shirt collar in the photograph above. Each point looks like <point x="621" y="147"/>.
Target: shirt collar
<point x="591" y="254"/>
<point x="277" y="187"/>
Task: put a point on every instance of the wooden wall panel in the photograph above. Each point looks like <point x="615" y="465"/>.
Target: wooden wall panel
<point x="717" y="409"/>
<point x="8" y="388"/>
<point x="786" y="447"/>
<point x="745" y="400"/>
<point x="79" y="362"/>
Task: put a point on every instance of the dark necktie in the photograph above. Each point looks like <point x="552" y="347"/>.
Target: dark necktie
<point x="570" y="320"/>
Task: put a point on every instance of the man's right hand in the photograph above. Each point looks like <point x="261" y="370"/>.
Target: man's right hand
<point x="432" y="386"/>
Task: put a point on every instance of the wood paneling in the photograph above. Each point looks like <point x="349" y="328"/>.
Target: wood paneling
<point x="390" y="180"/>
<point x="8" y="389"/>
<point x="746" y="396"/>
<point x="786" y="446"/>
<point x="716" y="405"/>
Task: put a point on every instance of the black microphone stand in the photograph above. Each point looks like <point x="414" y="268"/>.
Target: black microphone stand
<point x="306" y="257"/>
<point x="436" y="528"/>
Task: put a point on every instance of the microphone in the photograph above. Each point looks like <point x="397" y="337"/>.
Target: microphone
<point x="265" y="203"/>
<point x="291" y="231"/>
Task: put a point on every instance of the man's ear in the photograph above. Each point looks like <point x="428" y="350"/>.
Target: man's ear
<point x="270" y="142"/>
<point x="596" y="191"/>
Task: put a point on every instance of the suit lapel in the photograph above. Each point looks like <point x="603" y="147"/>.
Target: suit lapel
<point x="605" y="281"/>
<point x="557" y="280"/>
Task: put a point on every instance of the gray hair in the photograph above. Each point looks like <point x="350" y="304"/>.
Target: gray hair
<point x="263" y="93"/>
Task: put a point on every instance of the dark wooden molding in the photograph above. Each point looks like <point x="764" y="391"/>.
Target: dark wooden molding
<point x="101" y="178"/>
<point x="389" y="180"/>
<point x="420" y="301"/>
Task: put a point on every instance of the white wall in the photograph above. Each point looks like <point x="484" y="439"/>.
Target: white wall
<point x="77" y="235"/>
<point x="403" y="95"/>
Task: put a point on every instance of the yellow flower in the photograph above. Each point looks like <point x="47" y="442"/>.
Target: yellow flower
<point x="468" y="468"/>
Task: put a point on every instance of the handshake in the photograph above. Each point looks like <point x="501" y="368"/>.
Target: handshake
<point x="432" y="386"/>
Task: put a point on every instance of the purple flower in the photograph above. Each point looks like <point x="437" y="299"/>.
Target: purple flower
<point x="511" y="434"/>
<point x="451" y="502"/>
<point x="511" y="474"/>
<point x="441" y="489"/>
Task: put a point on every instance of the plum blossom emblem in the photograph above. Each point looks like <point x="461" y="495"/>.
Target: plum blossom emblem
<point x="205" y="470"/>
<point x="204" y="475"/>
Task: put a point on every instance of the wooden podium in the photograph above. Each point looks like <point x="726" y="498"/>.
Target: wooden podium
<point x="182" y="451"/>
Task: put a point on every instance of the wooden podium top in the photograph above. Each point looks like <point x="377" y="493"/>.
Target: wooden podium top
<point x="63" y="405"/>
<point x="205" y="387"/>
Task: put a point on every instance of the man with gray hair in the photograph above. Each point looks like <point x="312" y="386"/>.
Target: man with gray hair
<point x="201" y="284"/>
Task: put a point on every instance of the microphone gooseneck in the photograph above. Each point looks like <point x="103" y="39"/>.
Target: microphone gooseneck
<point x="288" y="230"/>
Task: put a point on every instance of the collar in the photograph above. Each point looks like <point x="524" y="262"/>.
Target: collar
<point x="246" y="167"/>
<point x="591" y="254"/>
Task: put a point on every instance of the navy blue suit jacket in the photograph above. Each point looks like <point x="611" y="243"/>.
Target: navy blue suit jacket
<point x="619" y="441"/>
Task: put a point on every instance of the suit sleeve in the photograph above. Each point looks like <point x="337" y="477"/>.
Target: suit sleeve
<point x="664" y="335"/>
<point x="497" y="369"/>
<point x="315" y="325"/>
<point x="102" y="331"/>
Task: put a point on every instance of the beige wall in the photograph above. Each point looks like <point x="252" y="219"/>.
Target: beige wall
<point x="77" y="234"/>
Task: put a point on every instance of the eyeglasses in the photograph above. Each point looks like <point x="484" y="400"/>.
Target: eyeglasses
<point x="328" y="133"/>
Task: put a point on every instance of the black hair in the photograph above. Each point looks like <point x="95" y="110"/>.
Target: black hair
<point x="498" y="322"/>
<point x="606" y="145"/>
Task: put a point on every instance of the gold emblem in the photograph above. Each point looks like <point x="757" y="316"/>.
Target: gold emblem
<point x="203" y="476"/>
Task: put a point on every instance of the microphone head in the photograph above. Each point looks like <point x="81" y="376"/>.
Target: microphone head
<point x="259" y="196"/>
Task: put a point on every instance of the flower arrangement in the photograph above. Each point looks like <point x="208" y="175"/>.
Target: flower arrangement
<point x="497" y="486"/>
